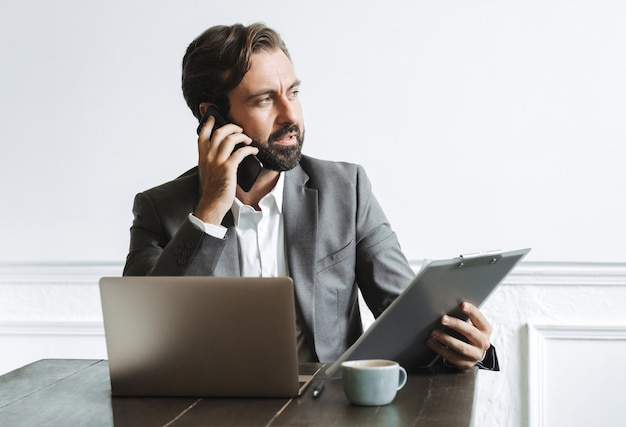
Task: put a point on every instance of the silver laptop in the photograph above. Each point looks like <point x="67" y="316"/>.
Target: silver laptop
<point x="201" y="336"/>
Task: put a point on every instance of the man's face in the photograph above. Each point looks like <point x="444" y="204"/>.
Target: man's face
<point x="266" y="105"/>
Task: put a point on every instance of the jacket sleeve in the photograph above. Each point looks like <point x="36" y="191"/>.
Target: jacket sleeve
<point x="165" y="243"/>
<point x="382" y="269"/>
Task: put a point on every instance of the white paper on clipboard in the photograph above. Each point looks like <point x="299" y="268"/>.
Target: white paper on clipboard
<point x="401" y="332"/>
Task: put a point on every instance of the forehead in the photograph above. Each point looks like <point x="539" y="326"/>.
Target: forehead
<point x="268" y="71"/>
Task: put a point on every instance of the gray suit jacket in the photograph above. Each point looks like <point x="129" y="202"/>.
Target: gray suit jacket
<point x="337" y="238"/>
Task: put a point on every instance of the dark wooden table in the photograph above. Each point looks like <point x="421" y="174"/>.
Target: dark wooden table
<point x="77" y="393"/>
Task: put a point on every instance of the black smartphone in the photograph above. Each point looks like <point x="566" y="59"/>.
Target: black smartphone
<point x="250" y="167"/>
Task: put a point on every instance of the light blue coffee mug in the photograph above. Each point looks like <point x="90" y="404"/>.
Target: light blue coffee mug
<point x="372" y="382"/>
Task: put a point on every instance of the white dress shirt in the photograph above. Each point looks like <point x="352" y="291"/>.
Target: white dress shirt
<point x="260" y="235"/>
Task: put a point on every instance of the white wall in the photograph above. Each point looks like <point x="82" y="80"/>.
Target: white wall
<point x="482" y="124"/>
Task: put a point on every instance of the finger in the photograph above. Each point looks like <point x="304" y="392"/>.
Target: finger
<point x="207" y="129"/>
<point x="225" y="139"/>
<point x="476" y="317"/>
<point x="468" y="331"/>
<point x="456" y="359"/>
<point x="480" y="330"/>
<point x="204" y="137"/>
<point x="459" y="326"/>
<point x="462" y="345"/>
<point x="239" y="154"/>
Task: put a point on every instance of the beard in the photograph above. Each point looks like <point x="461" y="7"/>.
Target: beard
<point x="277" y="157"/>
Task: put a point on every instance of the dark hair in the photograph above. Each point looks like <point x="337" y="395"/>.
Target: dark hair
<point x="216" y="61"/>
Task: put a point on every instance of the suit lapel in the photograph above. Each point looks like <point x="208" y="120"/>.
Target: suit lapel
<point x="301" y="221"/>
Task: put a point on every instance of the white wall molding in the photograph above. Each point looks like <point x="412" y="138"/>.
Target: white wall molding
<point x="52" y="328"/>
<point x="556" y="273"/>
<point x="567" y="274"/>
<point x="57" y="273"/>
<point x="552" y="273"/>
<point x="538" y="337"/>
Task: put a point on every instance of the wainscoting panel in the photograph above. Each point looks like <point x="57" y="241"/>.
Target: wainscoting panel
<point x="25" y="342"/>
<point x="576" y="375"/>
<point x="51" y="311"/>
<point x="575" y="341"/>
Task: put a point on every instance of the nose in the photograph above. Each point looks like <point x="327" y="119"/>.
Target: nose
<point x="288" y="111"/>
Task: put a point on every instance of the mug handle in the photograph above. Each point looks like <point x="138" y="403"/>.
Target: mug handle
<point x="401" y="377"/>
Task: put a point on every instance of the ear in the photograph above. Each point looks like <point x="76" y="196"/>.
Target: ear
<point x="203" y="106"/>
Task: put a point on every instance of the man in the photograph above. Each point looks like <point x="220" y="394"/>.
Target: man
<point x="315" y="221"/>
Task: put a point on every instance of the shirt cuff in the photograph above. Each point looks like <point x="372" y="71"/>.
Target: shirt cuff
<point x="490" y="360"/>
<point x="213" y="230"/>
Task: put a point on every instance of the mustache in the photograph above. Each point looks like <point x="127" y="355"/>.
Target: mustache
<point x="290" y="128"/>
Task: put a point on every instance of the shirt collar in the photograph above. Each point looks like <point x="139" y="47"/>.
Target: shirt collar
<point x="277" y="192"/>
<point x="275" y="196"/>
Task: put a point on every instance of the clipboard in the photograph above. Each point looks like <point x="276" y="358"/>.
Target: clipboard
<point x="401" y="331"/>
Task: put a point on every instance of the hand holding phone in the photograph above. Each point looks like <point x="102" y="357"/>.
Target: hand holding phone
<point x="250" y="167"/>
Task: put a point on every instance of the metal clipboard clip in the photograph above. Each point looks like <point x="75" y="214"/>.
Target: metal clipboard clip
<point x="465" y="258"/>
